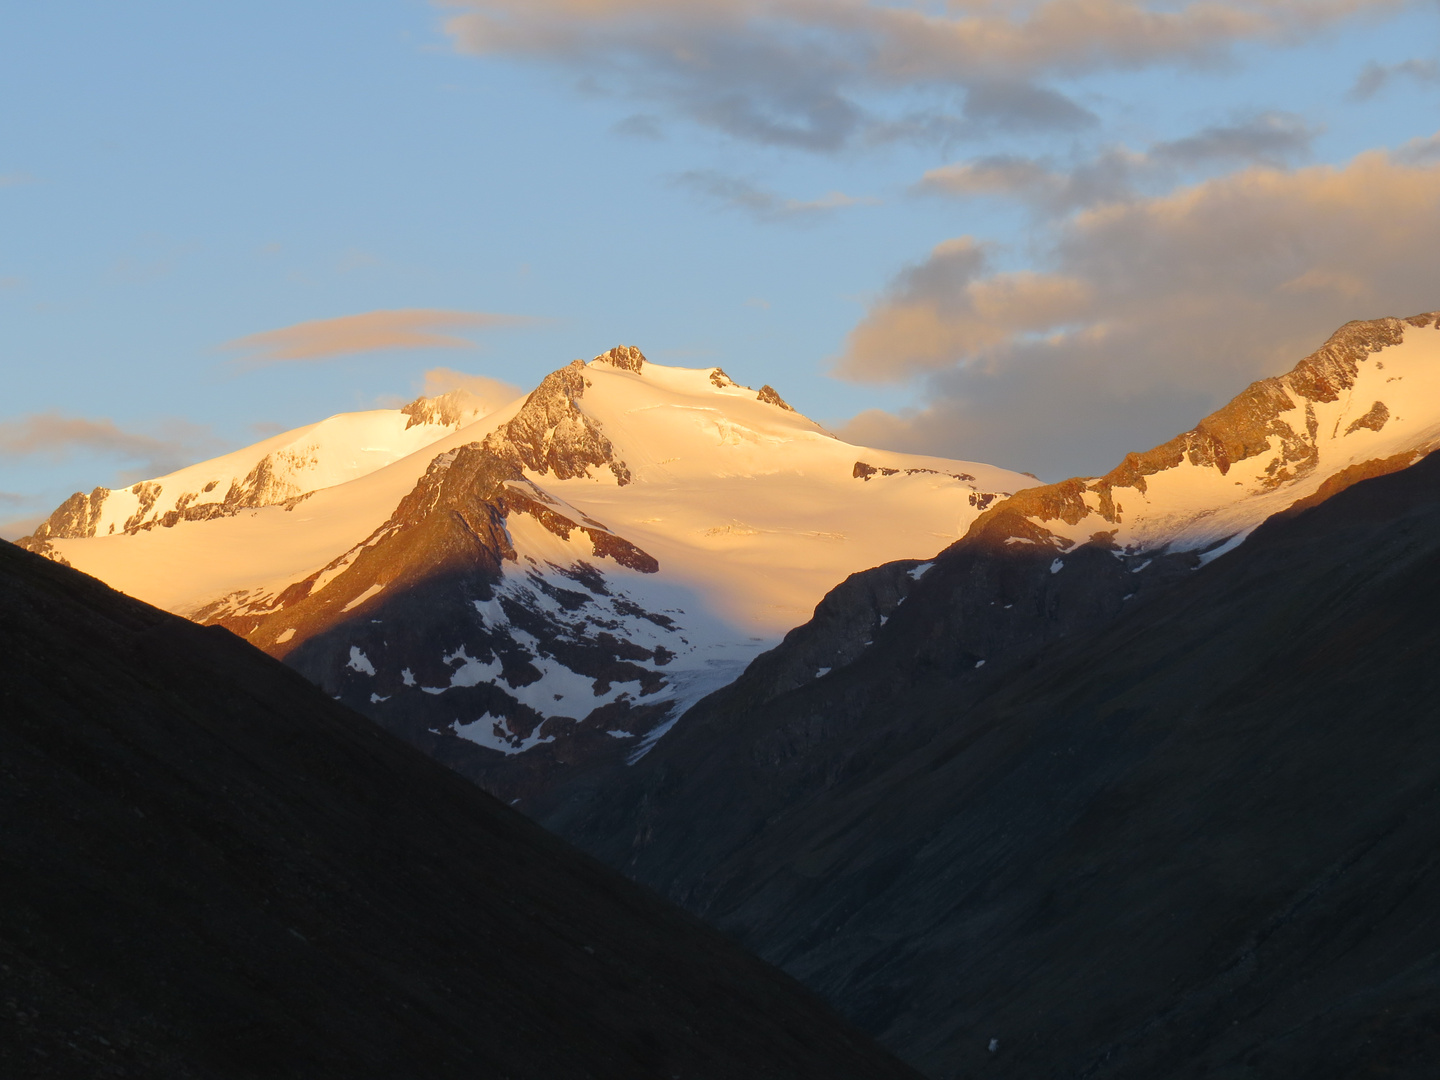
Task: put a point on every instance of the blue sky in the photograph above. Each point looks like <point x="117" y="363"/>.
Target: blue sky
<point x="1034" y="233"/>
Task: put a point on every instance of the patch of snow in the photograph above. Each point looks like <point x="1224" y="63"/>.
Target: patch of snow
<point x="494" y="733"/>
<point x="820" y="673"/>
<point x="917" y="572"/>
<point x="979" y="663"/>
<point x="285" y="636"/>
<point x="1057" y="566"/>
<point x="1229" y="545"/>
<point x="360" y="662"/>
<point x="366" y="595"/>
<point x="407" y="677"/>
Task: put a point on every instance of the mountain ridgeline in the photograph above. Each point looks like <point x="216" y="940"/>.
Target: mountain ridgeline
<point x="1114" y="779"/>
<point x="551" y="584"/>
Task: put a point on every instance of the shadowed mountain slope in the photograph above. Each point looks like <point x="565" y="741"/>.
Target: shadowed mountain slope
<point x="1175" y="825"/>
<point x="210" y="869"/>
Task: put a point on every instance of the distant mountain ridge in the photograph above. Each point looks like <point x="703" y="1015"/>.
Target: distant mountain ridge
<point x="277" y="471"/>
<point x="556" y="580"/>
<point x="1278" y="442"/>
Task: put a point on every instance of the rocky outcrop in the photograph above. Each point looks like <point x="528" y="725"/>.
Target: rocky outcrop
<point x="74" y="518"/>
<point x="552" y="435"/>
<point x="624" y="357"/>
<point x="454" y="409"/>
<point x="771" y="396"/>
<point x="1373" y="420"/>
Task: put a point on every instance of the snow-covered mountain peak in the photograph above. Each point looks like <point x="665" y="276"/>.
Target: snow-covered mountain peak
<point x="561" y="577"/>
<point x="1366" y="402"/>
<point x="276" y="471"/>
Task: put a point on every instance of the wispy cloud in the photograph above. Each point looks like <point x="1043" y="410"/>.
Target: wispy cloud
<point x="738" y="193"/>
<point x="1118" y="173"/>
<point x="1374" y="77"/>
<point x="16" y="179"/>
<point x="55" y="436"/>
<point x="1148" y="312"/>
<point x="822" y="74"/>
<point x="373" y="331"/>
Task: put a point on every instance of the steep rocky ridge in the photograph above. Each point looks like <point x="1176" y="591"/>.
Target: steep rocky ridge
<point x="210" y="869"/>
<point x="451" y="628"/>
<point x="552" y="435"/>
<point x="1277" y="442"/>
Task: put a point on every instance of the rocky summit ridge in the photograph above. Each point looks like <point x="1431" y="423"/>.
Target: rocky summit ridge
<point x="1278" y="441"/>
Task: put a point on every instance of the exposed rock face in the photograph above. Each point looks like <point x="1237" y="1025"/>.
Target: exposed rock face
<point x="439" y="629"/>
<point x="1374" y="420"/>
<point x="551" y="434"/>
<point x="624" y="357"/>
<point x="771" y="396"/>
<point x="454" y="408"/>
<point x="76" y="516"/>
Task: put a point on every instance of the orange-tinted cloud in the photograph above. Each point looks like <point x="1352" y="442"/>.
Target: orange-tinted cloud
<point x="166" y="446"/>
<point x="1148" y="312"/>
<point x="373" y="331"/>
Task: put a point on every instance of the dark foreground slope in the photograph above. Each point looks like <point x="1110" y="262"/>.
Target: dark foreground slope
<point x="209" y="869"/>
<point x="1196" y="840"/>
